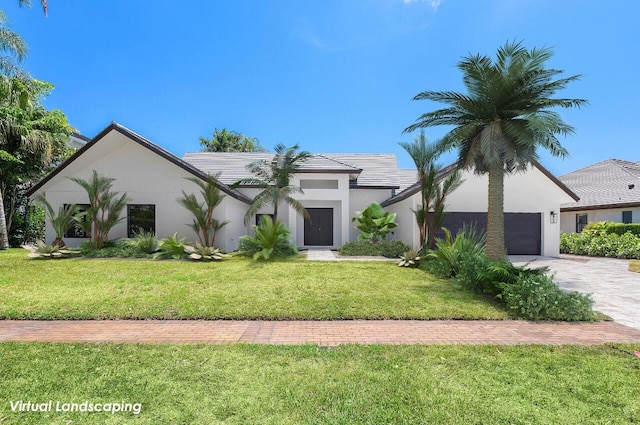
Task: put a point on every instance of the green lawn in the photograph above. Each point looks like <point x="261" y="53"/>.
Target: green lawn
<point x="237" y="288"/>
<point x="242" y="384"/>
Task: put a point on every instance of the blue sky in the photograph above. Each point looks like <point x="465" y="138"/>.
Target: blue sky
<point x="330" y="75"/>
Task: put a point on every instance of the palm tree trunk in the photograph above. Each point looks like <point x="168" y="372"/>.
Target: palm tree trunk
<point x="495" y="214"/>
<point x="4" y="237"/>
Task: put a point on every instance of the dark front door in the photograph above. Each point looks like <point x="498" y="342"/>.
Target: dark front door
<point x="319" y="232"/>
<point x="522" y="231"/>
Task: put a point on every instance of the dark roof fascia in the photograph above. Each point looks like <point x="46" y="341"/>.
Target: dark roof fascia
<point x="80" y="136"/>
<point x="374" y="187"/>
<point x="144" y="143"/>
<point x="329" y="171"/>
<point x="600" y="207"/>
<point x="556" y="181"/>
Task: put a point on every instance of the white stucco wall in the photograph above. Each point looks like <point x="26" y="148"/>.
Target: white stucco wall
<point x="568" y="218"/>
<point x="527" y="192"/>
<point x="147" y="178"/>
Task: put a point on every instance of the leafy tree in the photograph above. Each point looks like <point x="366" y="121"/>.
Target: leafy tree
<point x="204" y="224"/>
<point x="104" y="208"/>
<point x="13" y="46"/>
<point x="374" y="223"/>
<point x="274" y="178"/>
<point x="230" y="141"/>
<point x="504" y="117"/>
<point x="433" y="189"/>
<point x="64" y="220"/>
<point x="36" y="137"/>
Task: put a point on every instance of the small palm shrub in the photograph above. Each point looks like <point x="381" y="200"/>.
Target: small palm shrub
<point x="450" y="252"/>
<point x="61" y="222"/>
<point x="272" y="239"/>
<point x="146" y="242"/>
<point x="49" y="252"/>
<point x="203" y="253"/>
<point x="389" y="249"/>
<point x="409" y="259"/>
<point x="171" y="247"/>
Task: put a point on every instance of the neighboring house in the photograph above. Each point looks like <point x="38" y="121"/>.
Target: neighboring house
<point x="335" y="187"/>
<point x="608" y="191"/>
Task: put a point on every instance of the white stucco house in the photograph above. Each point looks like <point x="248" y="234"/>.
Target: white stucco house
<point x="609" y="191"/>
<point x="335" y="187"/>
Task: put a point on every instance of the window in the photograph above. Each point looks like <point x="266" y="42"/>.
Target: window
<point x="581" y="221"/>
<point x="318" y="184"/>
<point x="627" y="217"/>
<point x="76" y="231"/>
<point x="259" y="216"/>
<point x="140" y="218"/>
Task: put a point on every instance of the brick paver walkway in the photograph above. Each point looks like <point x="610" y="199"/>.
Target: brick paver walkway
<point x="327" y="333"/>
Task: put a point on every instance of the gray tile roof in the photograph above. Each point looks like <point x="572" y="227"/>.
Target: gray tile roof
<point x="372" y="170"/>
<point x="407" y="178"/>
<point x="605" y="184"/>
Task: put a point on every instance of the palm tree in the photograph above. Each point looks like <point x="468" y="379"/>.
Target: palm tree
<point x="502" y="120"/>
<point x="45" y="6"/>
<point x="60" y="222"/>
<point x="274" y="178"/>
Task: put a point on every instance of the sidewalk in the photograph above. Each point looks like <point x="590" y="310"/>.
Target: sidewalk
<point x="326" y="333"/>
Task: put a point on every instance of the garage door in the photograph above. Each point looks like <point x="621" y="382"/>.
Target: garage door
<point x="522" y="231"/>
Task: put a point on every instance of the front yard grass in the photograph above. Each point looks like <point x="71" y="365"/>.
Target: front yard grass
<point x="240" y="384"/>
<point x="236" y="288"/>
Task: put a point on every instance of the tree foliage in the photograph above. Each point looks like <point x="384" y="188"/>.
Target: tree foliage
<point x="104" y="209"/>
<point x="230" y="141"/>
<point x="500" y="122"/>
<point x="274" y="178"/>
<point x="204" y="224"/>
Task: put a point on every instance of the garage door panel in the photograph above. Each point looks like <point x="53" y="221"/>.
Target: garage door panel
<point x="522" y="230"/>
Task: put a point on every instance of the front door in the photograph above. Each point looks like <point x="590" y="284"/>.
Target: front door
<point x="319" y="232"/>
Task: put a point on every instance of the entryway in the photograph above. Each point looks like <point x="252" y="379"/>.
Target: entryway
<point x="319" y="231"/>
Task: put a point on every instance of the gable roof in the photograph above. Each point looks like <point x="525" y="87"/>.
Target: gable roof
<point x="371" y="170"/>
<point x="144" y="142"/>
<point x="415" y="187"/>
<point x="607" y="184"/>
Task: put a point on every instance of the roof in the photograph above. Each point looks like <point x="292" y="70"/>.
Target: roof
<point x="371" y="170"/>
<point x="406" y="178"/>
<point x="606" y="184"/>
<point x="415" y="187"/>
<point x="142" y="141"/>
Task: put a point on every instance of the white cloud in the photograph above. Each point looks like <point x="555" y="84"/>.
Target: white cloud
<point x="434" y="3"/>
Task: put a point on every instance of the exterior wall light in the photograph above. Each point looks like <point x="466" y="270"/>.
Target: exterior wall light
<point x="553" y="216"/>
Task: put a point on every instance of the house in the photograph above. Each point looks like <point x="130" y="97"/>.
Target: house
<point x="609" y="191"/>
<point x="335" y="187"/>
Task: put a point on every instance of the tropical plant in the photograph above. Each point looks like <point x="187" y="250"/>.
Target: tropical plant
<point x="230" y="141"/>
<point x="452" y="251"/>
<point x="203" y="253"/>
<point x="409" y="259"/>
<point x="272" y="239"/>
<point x="502" y="120"/>
<point x="171" y="247"/>
<point x="204" y="224"/>
<point x="49" y="252"/>
<point x="45" y="6"/>
<point x="274" y="178"/>
<point x="435" y="186"/>
<point x="61" y="222"/>
<point x="144" y="241"/>
<point x="103" y="211"/>
<point x="374" y="223"/>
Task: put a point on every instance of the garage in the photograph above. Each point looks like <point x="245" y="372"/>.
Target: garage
<point x="522" y="231"/>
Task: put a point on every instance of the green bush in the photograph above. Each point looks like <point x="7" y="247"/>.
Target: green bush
<point x="364" y="247"/>
<point x="610" y="227"/>
<point x="144" y="242"/>
<point x="272" y="239"/>
<point x="597" y="243"/>
<point x="537" y="297"/>
<point x="27" y="228"/>
<point x="451" y="252"/>
<point x="112" y="249"/>
<point x="171" y="247"/>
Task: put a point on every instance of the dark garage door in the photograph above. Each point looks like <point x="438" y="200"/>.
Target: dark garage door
<point x="319" y="232"/>
<point x="522" y="231"/>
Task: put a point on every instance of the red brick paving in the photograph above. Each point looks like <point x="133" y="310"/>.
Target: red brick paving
<point x="328" y="333"/>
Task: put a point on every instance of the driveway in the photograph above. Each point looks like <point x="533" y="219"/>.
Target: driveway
<point x="615" y="290"/>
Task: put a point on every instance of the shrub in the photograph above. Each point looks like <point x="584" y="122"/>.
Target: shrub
<point x="409" y="259"/>
<point x="112" y="249"/>
<point x="171" y="247"/>
<point x="272" y="239"/>
<point x="49" y="252"/>
<point x="27" y="226"/>
<point x="537" y="297"/>
<point x="203" y="253"/>
<point x="374" y="223"/>
<point x="598" y="243"/>
<point x="143" y="241"/>
<point x="389" y="249"/>
<point x="450" y="252"/>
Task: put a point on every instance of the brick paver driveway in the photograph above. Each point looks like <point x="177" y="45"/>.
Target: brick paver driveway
<point x="615" y="290"/>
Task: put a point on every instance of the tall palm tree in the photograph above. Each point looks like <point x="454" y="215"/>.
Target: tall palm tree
<point x="274" y="178"/>
<point x="502" y="120"/>
<point x="433" y="192"/>
<point x="43" y="3"/>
